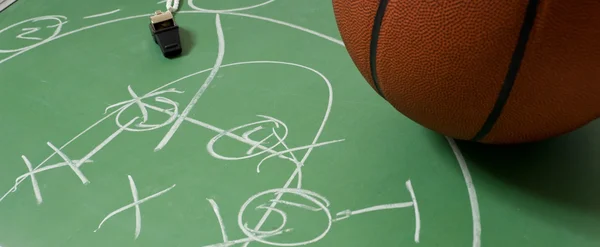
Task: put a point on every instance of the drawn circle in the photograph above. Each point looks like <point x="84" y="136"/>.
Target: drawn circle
<point x="58" y="24"/>
<point x="277" y="122"/>
<point x="191" y="4"/>
<point x="147" y="127"/>
<point x="307" y="194"/>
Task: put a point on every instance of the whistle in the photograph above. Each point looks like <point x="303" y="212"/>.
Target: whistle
<point x="165" y="33"/>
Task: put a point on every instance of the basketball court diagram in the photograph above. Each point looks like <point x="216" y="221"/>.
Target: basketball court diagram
<point x="264" y="138"/>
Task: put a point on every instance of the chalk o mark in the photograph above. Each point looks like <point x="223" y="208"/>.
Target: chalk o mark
<point x="27" y="31"/>
<point x="191" y="4"/>
<point x="274" y="121"/>
<point x="143" y="126"/>
<point x="320" y="201"/>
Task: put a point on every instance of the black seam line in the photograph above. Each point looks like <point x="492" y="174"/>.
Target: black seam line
<point x="513" y="70"/>
<point x="374" y="40"/>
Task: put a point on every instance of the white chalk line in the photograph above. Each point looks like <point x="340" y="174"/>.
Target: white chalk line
<point x="303" y="161"/>
<point x="472" y="193"/>
<point x="138" y="216"/>
<point x="58" y="24"/>
<point x="202" y="89"/>
<point x="416" y="207"/>
<point x="298" y="205"/>
<point x="138" y="101"/>
<point x="191" y="4"/>
<point x="382" y="207"/>
<point x="134" y="204"/>
<point x="311" y="146"/>
<point x="219" y="219"/>
<point x="245" y="240"/>
<point x="106" y="141"/>
<point x="347" y="213"/>
<point x="294" y="159"/>
<point x="102" y="14"/>
<point x="34" y="183"/>
<point x="264" y="140"/>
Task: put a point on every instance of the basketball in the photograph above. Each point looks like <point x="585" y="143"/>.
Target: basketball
<point x="486" y="71"/>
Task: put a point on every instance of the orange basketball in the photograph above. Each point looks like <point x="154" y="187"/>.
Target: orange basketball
<point x="505" y="71"/>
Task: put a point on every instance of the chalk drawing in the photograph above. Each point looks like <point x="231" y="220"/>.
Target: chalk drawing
<point x="142" y="126"/>
<point x="211" y="149"/>
<point x="71" y="164"/>
<point x="59" y="19"/>
<point x="413" y="203"/>
<point x="191" y="4"/>
<point x="102" y="14"/>
<point x="27" y="31"/>
<point x="472" y="194"/>
<point x="74" y="167"/>
<point x="34" y="183"/>
<point x="319" y="203"/>
<point x="135" y="204"/>
<point x="209" y="79"/>
<point x="219" y="219"/>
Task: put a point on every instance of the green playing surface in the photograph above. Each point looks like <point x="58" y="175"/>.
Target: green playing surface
<point x="263" y="133"/>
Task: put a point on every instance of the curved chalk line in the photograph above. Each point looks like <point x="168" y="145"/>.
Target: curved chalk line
<point x="191" y="4"/>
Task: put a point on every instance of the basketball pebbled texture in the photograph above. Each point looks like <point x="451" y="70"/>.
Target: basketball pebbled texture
<point x="489" y="71"/>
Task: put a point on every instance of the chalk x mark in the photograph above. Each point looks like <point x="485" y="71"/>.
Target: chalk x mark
<point x="73" y="166"/>
<point x="102" y="14"/>
<point x="37" y="192"/>
<point x="135" y="204"/>
<point x="69" y="163"/>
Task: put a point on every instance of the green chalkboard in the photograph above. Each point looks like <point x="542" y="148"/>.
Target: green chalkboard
<point x="262" y="133"/>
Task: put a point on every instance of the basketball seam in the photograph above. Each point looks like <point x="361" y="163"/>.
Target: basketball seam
<point x="374" y="40"/>
<point x="513" y="70"/>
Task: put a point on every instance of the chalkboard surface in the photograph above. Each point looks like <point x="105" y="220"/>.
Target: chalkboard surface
<point x="262" y="133"/>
